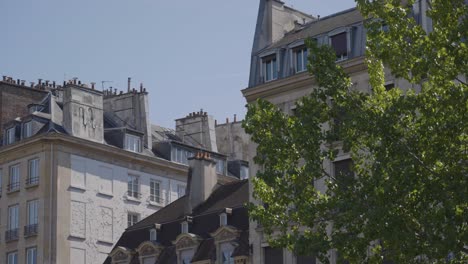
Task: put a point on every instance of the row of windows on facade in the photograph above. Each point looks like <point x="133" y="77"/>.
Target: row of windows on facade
<point x="133" y="189"/>
<point x="32" y="219"/>
<point x="14" y="176"/>
<point x="10" y="133"/>
<point x="270" y="66"/>
<point x="181" y="155"/>
<point x="30" y="256"/>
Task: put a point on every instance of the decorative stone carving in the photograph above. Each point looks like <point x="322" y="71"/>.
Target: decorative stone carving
<point x="225" y="233"/>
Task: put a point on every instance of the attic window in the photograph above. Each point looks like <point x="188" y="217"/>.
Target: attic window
<point x="184" y="227"/>
<point x="132" y="143"/>
<point x="10" y="135"/>
<point x="223" y="219"/>
<point x="153" y="235"/>
<point x="300" y="59"/>
<point x="270" y="68"/>
<point x="27" y="129"/>
<point x="339" y="43"/>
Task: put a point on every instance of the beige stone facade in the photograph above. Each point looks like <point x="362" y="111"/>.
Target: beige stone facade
<point x="72" y="220"/>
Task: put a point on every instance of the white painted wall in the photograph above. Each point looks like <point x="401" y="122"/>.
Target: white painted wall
<point x="99" y="207"/>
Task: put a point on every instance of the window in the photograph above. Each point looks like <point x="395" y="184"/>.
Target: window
<point x="270" y="68"/>
<point x="153" y="235"/>
<point x="13" y="223"/>
<point x="219" y="166"/>
<point x="10" y="136"/>
<point x="389" y="86"/>
<point x="33" y="172"/>
<point x="223" y="219"/>
<point x="184" y="227"/>
<point x="226" y="250"/>
<point x="339" y="43"/>
<point x="180" y="190"/>
<point x="343" y="173"/>
<point x="132" y="218"/>
<point x="31" y="227"/>
<point x="180" y="155"/>
<point x="12" y="257"/>
<point x="132" y="143"/>
<point x="300" y="59"/>
<point x="14" y="183"/>
<point x="155" y="191"/>
<point x="244" y="172"/>
<point x="305" y="260"/>
<point x="186" y="256"/>
<point x="31" y="255"/>
<point x="27" y="129"/>
<point x="272" y="255"/>
<point x="133" y="187"/>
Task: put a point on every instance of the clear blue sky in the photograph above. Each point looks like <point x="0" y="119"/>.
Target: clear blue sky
<point x="189" y="54"/>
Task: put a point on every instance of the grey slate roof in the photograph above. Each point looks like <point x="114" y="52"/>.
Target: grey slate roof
<point x="321" y="26"/>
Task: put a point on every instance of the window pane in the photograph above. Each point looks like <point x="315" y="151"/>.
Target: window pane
<point x="339" y="44"/>
<point x="304" y="57"/>
<point x="275" y="69"/>
<point x="273" y="255"/>
<point x="268" y="71"/>
<point x="298" y="60"/>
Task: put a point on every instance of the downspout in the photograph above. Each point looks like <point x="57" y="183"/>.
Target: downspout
<point x="51" y="199"/>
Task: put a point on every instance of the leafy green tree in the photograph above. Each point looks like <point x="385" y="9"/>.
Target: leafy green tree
<point x="407" y="198"/>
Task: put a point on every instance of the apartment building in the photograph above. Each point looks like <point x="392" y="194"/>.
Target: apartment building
<point x="78" y="166"/>
<point x="278" y="73"/>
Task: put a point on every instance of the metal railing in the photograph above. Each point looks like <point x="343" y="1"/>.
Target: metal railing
<point x="15" y="186"/>
<point x="30" y="230"/>
<point x="11" y="234"/>
<point x="133" y="194"/>
<point x="32" y="181"/>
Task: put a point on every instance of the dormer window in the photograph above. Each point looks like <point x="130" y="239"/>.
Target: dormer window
<point x="153" y="235"/>
<point x="132" y="143"/>
<point x="10" y="136"/>
<point x="223" y="219"/>
<point x="184" y="227"/>
<point x="339" y="43"/>
<point x="270" y="68"/>
<point x="300" y="59"/>
<point x="219" y="166"/>
<point x="27" y="129"/>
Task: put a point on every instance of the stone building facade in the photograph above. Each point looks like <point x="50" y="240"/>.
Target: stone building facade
<point x="78" y="166"/>
<point x="278" y="73"/>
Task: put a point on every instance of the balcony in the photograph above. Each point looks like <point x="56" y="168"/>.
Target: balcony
<point x="13" y="187"/>
<point x="30" y="182"/>
<point x="30" y="230"/>
<point x="11" y="234"/>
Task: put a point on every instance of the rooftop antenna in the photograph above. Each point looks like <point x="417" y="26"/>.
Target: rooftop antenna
<point x="102" y="84"/>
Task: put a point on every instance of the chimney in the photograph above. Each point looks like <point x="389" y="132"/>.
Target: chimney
<point x="202" y="180"/>
<point x="235" y="118"/>
<point x="83" y="115"/>
<point x="198" y="129"/>
<point x="129" y="83"/>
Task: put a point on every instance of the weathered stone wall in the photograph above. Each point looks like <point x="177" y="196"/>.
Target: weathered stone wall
<point x="233" y="141"/>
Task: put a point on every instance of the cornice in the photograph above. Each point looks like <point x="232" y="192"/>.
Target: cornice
<point x="105" y="150"/>
<point x="297" y="82"/>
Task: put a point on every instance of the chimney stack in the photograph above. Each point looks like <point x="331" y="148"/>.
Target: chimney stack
<point x="202" y="180"/>
<point x="92" y="85"/>
<point x="129" y="83"/>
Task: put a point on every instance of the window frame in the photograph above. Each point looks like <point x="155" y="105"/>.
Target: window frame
<point x="12" y="253"/>
<point x="133" y="186"/>
<point x="153" y="235"/>
<point x="27" y="129"/>
<point x="14" y="178"/>
<point x="270" y="73"/>
<point x="156" y="198"/>
<point x="334" y="33"/>
<point x="304" y="52"/>
<point x="32" y="180"/>
<point x="10" y="135"/>
<point x="180" y="188"/>
<point x="28" y="251"/>
<point x="130" y="218"/>
<point x="132" y="143"/>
